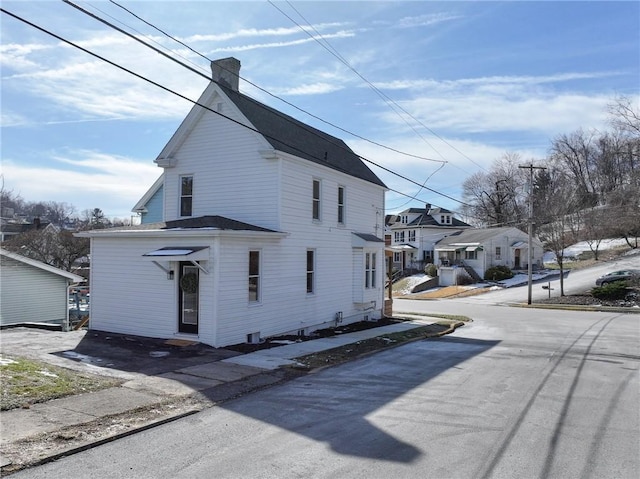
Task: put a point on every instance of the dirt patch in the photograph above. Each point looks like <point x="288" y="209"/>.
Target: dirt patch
<point x="449" y="292"/>
<point x="47" y="446"/>
<point x="588" y="300"/>
<point x="358" y="349"/>
<point x="276" y="341"/>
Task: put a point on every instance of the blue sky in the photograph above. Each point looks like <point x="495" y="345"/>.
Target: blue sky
<point x="478" y="79"/>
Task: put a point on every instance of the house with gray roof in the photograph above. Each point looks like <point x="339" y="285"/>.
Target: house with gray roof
<point x="471" y="252"/>
<point x="413" y="233"/>
<point x="258" y="226"/>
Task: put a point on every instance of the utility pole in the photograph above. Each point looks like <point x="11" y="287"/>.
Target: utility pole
<point x="530" y="167"/>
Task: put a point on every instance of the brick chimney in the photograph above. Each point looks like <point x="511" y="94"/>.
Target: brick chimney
<point x="226" y="71"/>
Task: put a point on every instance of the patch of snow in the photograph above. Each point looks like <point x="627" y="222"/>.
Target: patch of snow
<point x="6" y="361"/>
<point x="581" y="247"/>
<point x="47" y="373"/>
<point x="80" y="357"/>
<point x="412" y="281"/>
<point x="159" y="354"/>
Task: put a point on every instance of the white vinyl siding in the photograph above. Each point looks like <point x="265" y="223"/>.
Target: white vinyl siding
<point x="234" y="179"/>
<point x="228" y="174"/>
<point x="21" y="283"/>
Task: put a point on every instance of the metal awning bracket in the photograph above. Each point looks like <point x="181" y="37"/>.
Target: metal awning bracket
<point x="198" y="265"/>
<point x="161" y="267"/>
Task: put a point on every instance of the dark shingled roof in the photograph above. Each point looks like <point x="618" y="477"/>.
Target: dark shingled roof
<point x="369" y="237"/>
<point x="217" y="222"/>
<point x="428" y="220"/>
<point x="287" y="134"/>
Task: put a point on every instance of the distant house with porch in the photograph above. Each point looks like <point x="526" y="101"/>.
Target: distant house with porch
<point x="473" y="251"/>
<point x="414" y="232"/>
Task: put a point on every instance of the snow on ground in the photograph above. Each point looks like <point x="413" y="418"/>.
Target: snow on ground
<point x="410" y="282"/>
<point x="581" y="247"/>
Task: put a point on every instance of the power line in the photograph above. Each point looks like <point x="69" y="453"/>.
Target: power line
<point x="268" y="92"/>
<point x="327" y="46"/>
<point x="169" y="90"/>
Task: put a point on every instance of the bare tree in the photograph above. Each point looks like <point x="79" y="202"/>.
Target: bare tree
<point x="559" y="203"/>
<point x="58" y="248"/>
<point x="625" y="116"/>
<point x="496" y="197"/>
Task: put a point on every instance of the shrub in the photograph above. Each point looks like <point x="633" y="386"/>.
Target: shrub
<point x="498" y="273"/>
<point x="615" y="290"/>
<point x="431" y="270"/>
<point x="464" y="280"/>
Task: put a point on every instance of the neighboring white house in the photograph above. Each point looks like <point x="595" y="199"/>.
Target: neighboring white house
<point x="268" y="226"/>
<point x="476" y="250"/>
<point x="33" y="292"/>
<point x="414" y="233"/>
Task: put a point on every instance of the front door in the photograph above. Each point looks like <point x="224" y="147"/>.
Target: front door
<point x="188" y="286"/>
<point x="517" y="259"/>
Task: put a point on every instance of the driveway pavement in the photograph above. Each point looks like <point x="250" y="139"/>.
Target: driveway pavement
<point x="153" y="372"/>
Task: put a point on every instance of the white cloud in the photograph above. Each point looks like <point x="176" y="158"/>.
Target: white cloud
<point x="84" y="178"/>
<point x="426" y="20"/>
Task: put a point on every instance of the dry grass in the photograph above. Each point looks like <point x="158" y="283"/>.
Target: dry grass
<point x="449" y="292"/>
<point x="26" y="382"/>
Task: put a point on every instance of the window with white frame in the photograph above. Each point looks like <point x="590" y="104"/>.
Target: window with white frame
<point x="254" y="276"/>
<point x="498" y="252"/>
<point x="341" y="205"/>
<point x="316" y="200"/>
<point x="370" y="270"/>
<point x="311" y="263"/>
<point x="412" y="235"/>
<point x="186" y="195"/>
<point x="471" y="254"/>
<point x="396" y="257"/>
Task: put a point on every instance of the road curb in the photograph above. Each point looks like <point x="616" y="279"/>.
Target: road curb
<point x="90" y="445"/>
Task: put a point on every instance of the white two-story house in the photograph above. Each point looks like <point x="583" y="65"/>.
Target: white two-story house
<point x="259" y="225"/>
<point x="414" y="232"/>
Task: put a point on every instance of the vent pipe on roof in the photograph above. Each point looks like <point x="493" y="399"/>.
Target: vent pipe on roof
<point x="226" y="71"/>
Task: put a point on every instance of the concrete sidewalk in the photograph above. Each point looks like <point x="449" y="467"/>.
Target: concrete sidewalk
<point x="217" y="380"/>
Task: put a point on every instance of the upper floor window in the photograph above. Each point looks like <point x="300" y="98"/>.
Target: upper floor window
<point x="404" y="219"/>
<point x="186" y="195"/>
<point x="412" y="235"/>
<point x="254" y="276"/>
<point x="316" y="200"/>
<point x="311" y="262"/>
<point x="341" y="205"/>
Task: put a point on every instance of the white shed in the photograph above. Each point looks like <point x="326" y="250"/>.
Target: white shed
<point x="32" y="291"/>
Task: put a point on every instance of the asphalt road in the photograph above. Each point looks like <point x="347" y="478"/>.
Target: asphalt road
<point x="575" y="282"/>
<point x="518" y="393"/>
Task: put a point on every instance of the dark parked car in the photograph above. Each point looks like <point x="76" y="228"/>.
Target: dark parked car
<point x="622" y="275"/>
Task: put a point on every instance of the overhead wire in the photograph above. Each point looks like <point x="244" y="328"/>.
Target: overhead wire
<point x="422" y="186"/>
<point x="333" y="125"/>
<point x="195" y="102"/>
<point x="380" y="93"/>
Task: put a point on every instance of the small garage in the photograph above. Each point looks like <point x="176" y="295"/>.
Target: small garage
<point x="32" y="291"/>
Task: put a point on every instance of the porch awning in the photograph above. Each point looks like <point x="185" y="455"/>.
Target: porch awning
<point x="472" y="248"/>
<point x="519" y="244"/>
<point x="179" y="253"/>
